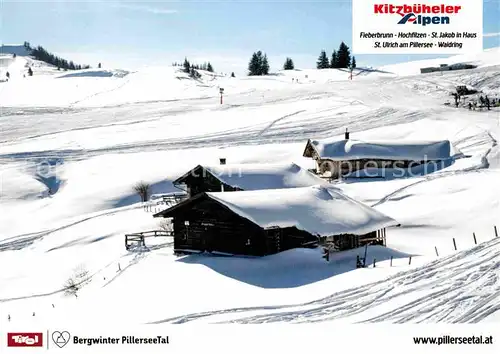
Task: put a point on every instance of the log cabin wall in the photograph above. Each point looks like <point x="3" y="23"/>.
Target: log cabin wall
<point x="282" y="239"/>
<point x="345" y="241"/>
<point x="350" y="241"/>
<point x="373" y="238"/>
<point x="214" y="228"/>
<point x="335" y="168"/>
<point x="355" y="165"/>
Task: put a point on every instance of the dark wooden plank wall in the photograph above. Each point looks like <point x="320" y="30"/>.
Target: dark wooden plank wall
<point x="214" y="228"/>
<point x="287" y="238"/>
<point x="355" y="165"/>
<point x="350" y="241"/>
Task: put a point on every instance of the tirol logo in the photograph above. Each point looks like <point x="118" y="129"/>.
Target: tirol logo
<point x="24" y="339"/>
<point x="417" y="13"/>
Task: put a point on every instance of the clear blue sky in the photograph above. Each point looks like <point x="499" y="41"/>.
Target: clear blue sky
<point x="132" y="34"/>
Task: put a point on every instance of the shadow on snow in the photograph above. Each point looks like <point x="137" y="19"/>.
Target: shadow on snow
<point x="289" y="269"/>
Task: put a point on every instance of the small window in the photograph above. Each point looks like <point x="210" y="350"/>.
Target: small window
<point x="186" y="222"/>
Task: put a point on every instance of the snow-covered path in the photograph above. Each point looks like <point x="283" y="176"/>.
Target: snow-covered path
<point x="461" y="288"/>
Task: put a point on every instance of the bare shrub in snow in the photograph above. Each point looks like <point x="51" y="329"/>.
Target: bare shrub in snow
<point x="71" y="287"/>
<point x="76" y="281"/>
<point x="142" y="189"/>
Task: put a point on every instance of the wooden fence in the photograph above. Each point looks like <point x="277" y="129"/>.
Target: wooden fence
<point x="361" y="262"/>
<point x="138" y="239"/>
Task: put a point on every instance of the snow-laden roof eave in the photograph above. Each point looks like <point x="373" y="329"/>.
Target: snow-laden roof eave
<point x="385" y="221"/>
<point x="340" y="150"/>
<point x="354" y="231"/>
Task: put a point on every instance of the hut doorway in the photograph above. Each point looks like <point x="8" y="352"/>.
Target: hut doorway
<point x="210" y="233"/>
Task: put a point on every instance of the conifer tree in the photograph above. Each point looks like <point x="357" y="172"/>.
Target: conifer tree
<point x="344" y="56"/>
<point x="194" y="74"/>
<point x="353" y="63"/>
<point x="264" y="66"/>
<point x="210" y="68"/>
<point x="322" y="62"/>
<point x="232" y="74"/>
<point x="254" y="65"/>
<point x="334" y="61"/>
<point x="259" y="64"/>
<point x="288" y="64"/>
<point x="187" y="66"/>
<point x="42" y="54"/>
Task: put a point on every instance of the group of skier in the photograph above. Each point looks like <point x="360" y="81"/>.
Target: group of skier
<point x="485" y="102"/>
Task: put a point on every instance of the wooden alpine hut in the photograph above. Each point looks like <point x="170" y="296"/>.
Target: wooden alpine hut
<point x="263" y="222"/>
<point x="355" y="158"/>
<point x="238" y="177"/>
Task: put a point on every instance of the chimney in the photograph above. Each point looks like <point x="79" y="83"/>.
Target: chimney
<point x="222" y="160"/>
<point x="346" y="134"/>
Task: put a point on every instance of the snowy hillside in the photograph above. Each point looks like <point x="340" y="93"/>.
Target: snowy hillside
<point x="72" y="145"/>
<point x="18" y="69"/>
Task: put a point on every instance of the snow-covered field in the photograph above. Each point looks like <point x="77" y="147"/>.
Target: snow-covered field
<point x="92" y="134"/>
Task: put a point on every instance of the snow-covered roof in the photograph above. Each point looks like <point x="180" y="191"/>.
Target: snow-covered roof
<point x="260" y="176"/>
<point x="319" y="210"/>
<point x="389" y="150"/>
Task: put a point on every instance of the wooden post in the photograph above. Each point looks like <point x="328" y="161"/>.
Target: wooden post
<point x="391" y="261"/>
<point x="374" y="260"/>
<point x="475" y="241"/>
<point x="437" y="254"/>
<point x="221" y="90"/>
<point x="454" y="243"/>
<point x="409" y="262"/>
<point x="496" y="231"/>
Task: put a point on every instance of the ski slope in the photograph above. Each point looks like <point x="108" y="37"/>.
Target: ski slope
<point x="444" y="289"/>
<point x="72" y="144"/>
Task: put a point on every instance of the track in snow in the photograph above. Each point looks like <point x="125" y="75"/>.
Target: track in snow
<point x="461" y="288"/>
